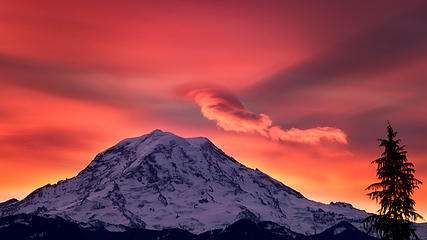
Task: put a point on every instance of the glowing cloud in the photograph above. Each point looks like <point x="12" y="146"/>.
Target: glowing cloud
<point x="228" y="112"/>
<point x="312" y="135"/>
<point x="231" y="115"/>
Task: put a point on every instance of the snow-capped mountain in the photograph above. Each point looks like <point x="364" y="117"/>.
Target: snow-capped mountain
<point x="160" y="180"/>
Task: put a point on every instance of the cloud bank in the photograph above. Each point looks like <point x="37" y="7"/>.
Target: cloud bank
<point x="230" y="114"/>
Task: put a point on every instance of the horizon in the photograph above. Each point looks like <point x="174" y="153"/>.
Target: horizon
<point x="299" y="91"/>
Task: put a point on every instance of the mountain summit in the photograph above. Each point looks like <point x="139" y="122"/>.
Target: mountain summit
<point x="161" y="180"/>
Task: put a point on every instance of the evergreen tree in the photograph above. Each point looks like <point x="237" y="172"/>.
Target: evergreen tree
<point x="393" y="192"/>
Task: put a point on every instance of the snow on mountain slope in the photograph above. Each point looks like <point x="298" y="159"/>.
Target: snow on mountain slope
<point x="421" y="229"/>
<point x="160" y="180"/>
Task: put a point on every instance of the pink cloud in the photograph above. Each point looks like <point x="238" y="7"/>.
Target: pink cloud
<point x="311" y="135"/>
<point x="230" y="114"/>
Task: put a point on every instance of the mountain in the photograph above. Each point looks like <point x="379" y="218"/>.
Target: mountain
<point x="27" y="226"/>
<point x="160" y="181"/>
<point x="8" y="202"/>
<point x="421" y="229"/>
<point x="342" y="230"/>
<point x="249" y="230"/>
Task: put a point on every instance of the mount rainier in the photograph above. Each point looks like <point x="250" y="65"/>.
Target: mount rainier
<point x="160" y="180"/>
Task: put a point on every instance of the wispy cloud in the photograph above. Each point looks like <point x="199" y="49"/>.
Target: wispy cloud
<point x="392" y="45"/>
<point x="230" y="114"/>
<point x="89" y="83"/>
<point x="311" y="135"/>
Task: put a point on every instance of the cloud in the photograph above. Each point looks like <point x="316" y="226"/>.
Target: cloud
<point x="312" y="135"/>
<point x="230" y="114"/>
<point x="387" y="47"/>
<point x="88" y="83"/>
<point x="48" y="138"/>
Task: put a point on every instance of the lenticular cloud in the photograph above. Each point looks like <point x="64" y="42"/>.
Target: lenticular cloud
<point x="229" y="114"/>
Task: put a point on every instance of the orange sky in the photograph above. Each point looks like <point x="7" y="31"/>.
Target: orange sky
<point x="300" y="91"/>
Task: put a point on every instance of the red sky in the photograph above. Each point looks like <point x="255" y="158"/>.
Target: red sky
<point x="299" y="90"/>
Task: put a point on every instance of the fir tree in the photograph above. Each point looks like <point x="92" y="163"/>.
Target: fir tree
<point x="393" y="192"/>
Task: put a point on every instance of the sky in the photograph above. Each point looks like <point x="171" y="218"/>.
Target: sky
<point x="301" y="90"/>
